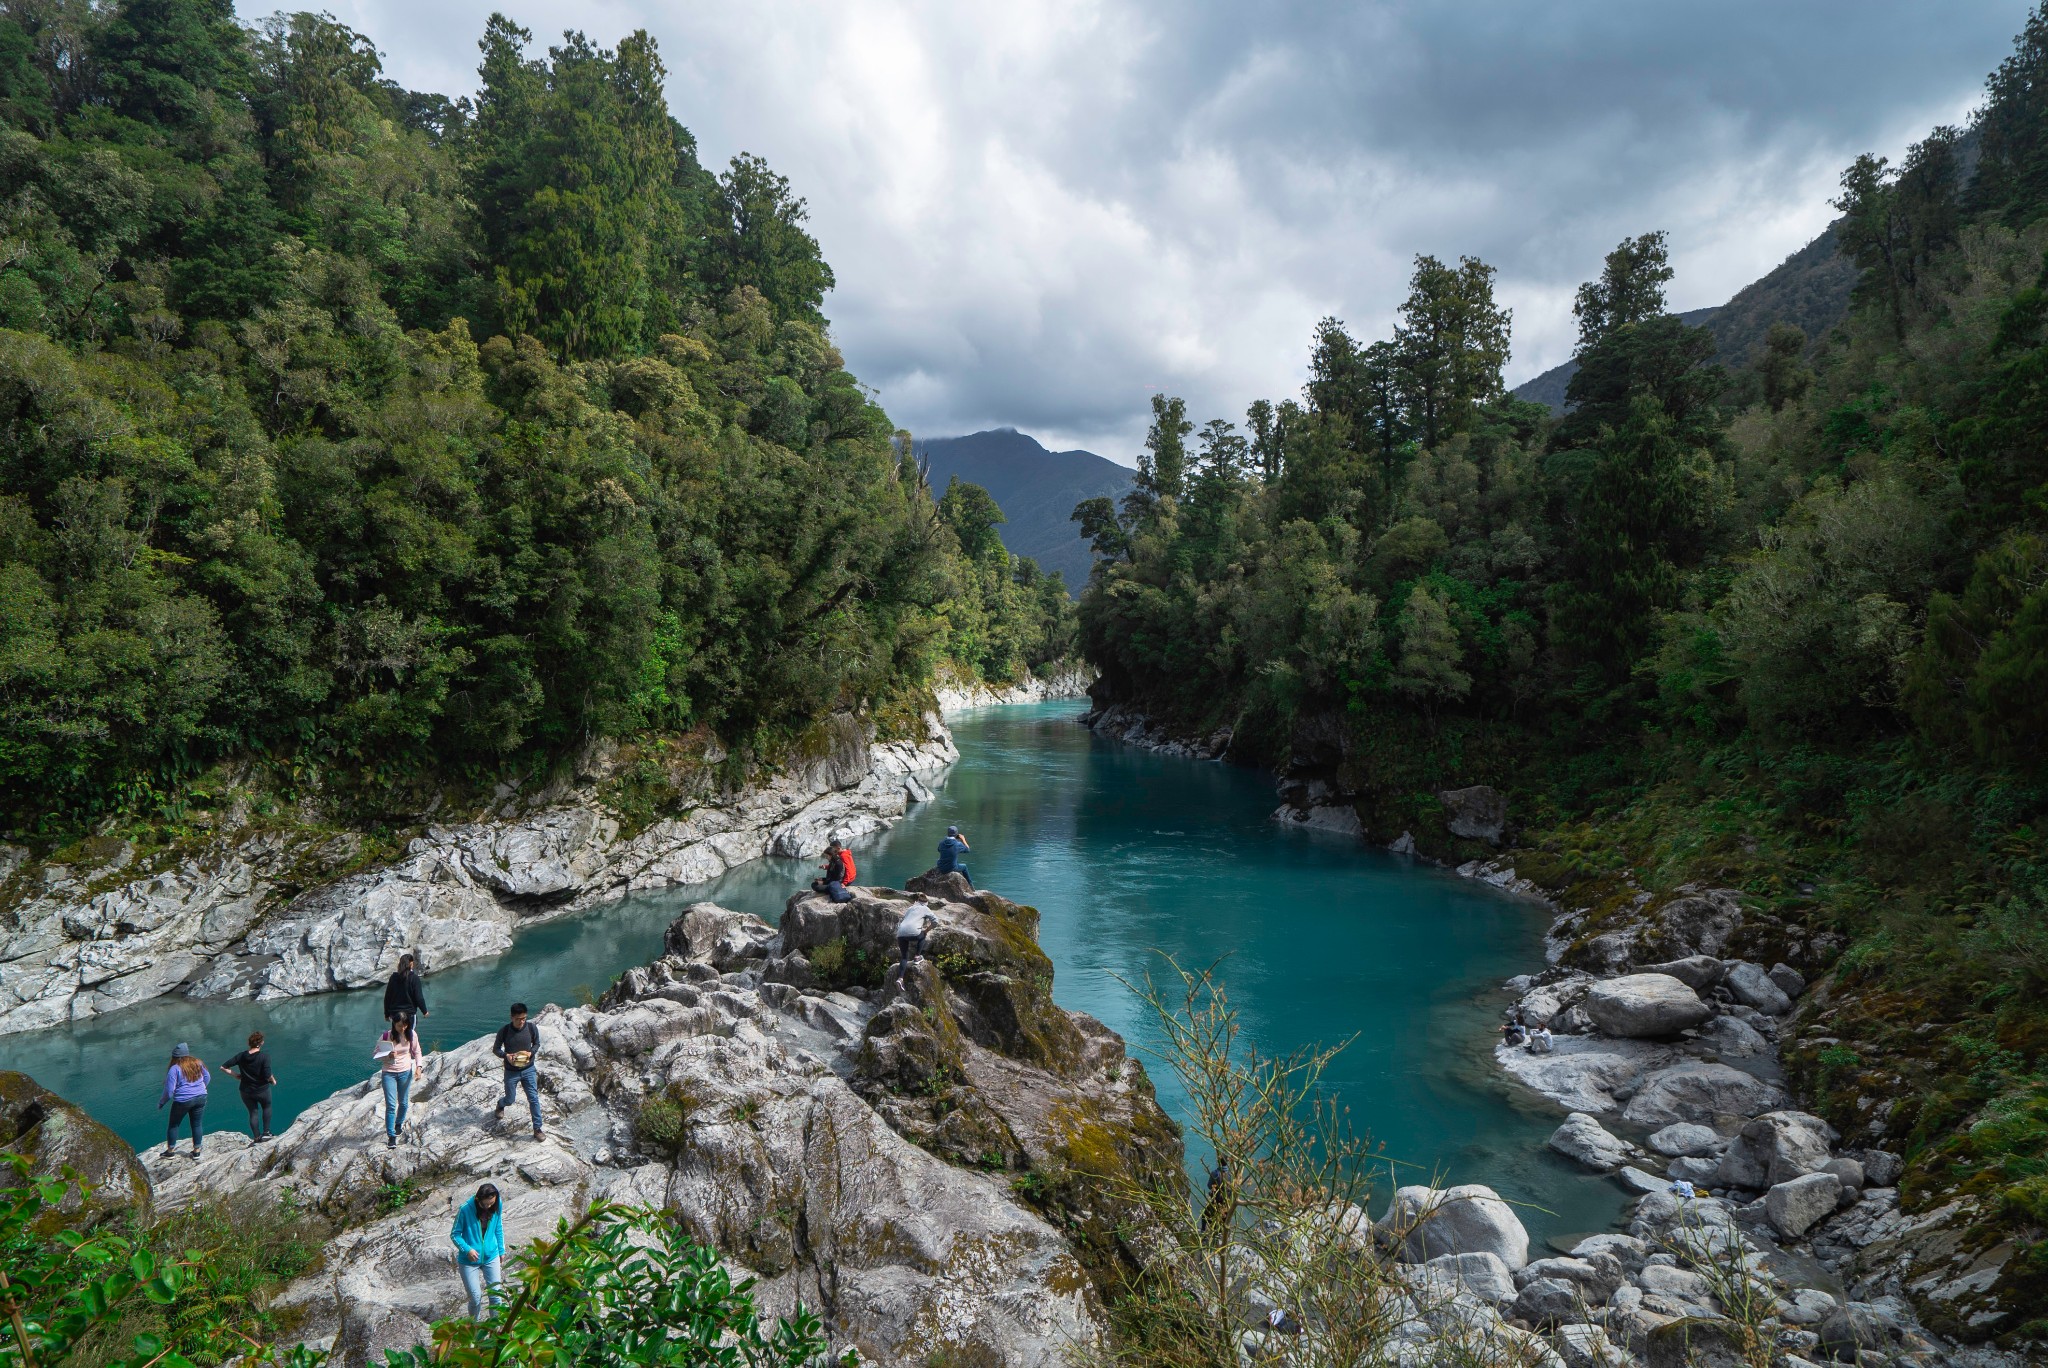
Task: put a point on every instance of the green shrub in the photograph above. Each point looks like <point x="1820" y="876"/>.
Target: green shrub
<point x="837" y="965"/>
<point x="664" y="1120"/>
<point x="184" y="1291"/>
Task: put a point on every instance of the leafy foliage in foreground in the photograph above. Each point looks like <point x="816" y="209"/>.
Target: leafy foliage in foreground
<point x="394" y="434"/>
<point x="1786" y="630"/>
<point x="623" y="1285"/>
<point x="125" y="1297"/>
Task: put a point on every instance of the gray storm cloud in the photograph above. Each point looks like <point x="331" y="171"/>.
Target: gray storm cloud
<point x="1041" y="214"/>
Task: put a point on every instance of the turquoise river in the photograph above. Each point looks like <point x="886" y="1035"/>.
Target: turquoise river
<point x="1126" y="853"/>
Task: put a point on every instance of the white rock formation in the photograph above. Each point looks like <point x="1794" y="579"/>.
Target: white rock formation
<point x="227" y="921"/>
<point x="781" y="1164"/>
<point x="1426" y="1223"/>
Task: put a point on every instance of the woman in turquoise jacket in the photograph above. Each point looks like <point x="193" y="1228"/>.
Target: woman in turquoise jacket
<point x="479" y="1237"/>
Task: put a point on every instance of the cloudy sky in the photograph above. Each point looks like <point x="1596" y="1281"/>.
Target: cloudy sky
<point x="1041" y="213"/>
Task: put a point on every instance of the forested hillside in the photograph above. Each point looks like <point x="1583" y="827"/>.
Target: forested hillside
<point x="377" y="433"/>
<point x="1784" y="628"/>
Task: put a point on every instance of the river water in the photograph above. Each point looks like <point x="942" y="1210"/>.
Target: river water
<point x="1126" y="853"/>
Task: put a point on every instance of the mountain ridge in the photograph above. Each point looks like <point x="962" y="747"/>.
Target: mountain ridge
<point x="1036" y="488"/>
<point x="1810" y="288"/>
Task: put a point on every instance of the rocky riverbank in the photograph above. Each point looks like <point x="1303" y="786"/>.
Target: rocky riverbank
<point x="1667" y="1028"/>
<point x="1071" y="682"/>
<point x="1669" y="1017"/>
<point x="905" y="1156"/>
<point x="279" y="904"/>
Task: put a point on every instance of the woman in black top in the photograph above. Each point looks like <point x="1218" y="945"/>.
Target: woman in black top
<point x="251" y="1069"/>
<point x="404" y="993"/>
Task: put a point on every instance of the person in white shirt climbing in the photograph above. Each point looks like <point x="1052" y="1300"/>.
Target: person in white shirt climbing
<point x="910" y="933"/>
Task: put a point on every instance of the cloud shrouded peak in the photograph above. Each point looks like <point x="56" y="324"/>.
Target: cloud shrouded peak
<point x="1039" y="215"/>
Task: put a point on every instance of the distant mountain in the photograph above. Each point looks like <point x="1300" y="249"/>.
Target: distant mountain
<point x="1036" y="488"/>
<point x="1810" y="288"/>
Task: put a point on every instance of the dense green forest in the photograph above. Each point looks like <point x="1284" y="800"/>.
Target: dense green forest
<point x="393" y="434"/>
<point x="1784" y="627"/>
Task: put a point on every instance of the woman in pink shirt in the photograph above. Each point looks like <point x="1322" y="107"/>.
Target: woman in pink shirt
<point x="398" y="1049"/>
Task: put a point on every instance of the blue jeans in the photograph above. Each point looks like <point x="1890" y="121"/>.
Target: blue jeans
<point x="474" y="1279"/>
<point x="961" y="870"/>
<point x="397" y="1100"/>
<point x="529" y="1079"/>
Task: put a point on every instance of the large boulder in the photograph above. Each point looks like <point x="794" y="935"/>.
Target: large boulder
<point x="1749" y="985"/>
<point x="1699" y="1092"/>
<point x="724" y="939"/>
<point x="1425" y="1222"/>
<point x="1859" y="1332"/>
<point x="1730" y="1037"/>
<point x="1588" y="1346"/>
<point x="1638" y="1005"/>
<point x="1699" y="924"/>
<point x="1687" y="1140"/>
<point x="1697" y="972"/>
<point x="1478" y="1274"/>
<point x="1478" y="813"/>
<point x="1699" y="1343"/>
<point x="1586" y="1142"/>
<point x="55" y="1135"/>
<point x="1590" y="1074"/>
<point x="1597" y="1274"/>
<point x="1797" y="1205"/>
<point x="1548" y="1302"/>
<point x="1626" y="1250"/>
<point x="1690" y="1227"/>
<point x="1543" y="1004"/>
<point x="1775" y="1148"/>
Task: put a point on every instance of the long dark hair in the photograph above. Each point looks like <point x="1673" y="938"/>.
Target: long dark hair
<point x="489" y="1190"/>
<point x="401" y="1027"/>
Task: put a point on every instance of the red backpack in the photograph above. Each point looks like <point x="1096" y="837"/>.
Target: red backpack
<point x="847" y="878"/>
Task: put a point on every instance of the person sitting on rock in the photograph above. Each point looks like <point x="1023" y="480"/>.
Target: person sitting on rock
<point x="917" y="923"/>
<point x="1513" y="1033"/>
<point x="950" y="850"/>
<point x="839" y="872"/>
<point x="1540" y="1041"/>
<point x="404" y="992"/>
<point x="518" y="1044"/>
<point x="479" y="1237"/>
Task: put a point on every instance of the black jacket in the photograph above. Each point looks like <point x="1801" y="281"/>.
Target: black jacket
<point x="404" y="992"/>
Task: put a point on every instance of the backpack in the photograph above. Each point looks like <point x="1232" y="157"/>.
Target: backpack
<point x="847" y="878"/>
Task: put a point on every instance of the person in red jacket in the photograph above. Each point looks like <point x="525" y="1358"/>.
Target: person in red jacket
<point x="839" y="872"/>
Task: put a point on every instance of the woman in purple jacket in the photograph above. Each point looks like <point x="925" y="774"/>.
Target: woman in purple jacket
<point x="185" y="1092"/>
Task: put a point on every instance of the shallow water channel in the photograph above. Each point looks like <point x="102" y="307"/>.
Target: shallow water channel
<point x="1126" y="853"/>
